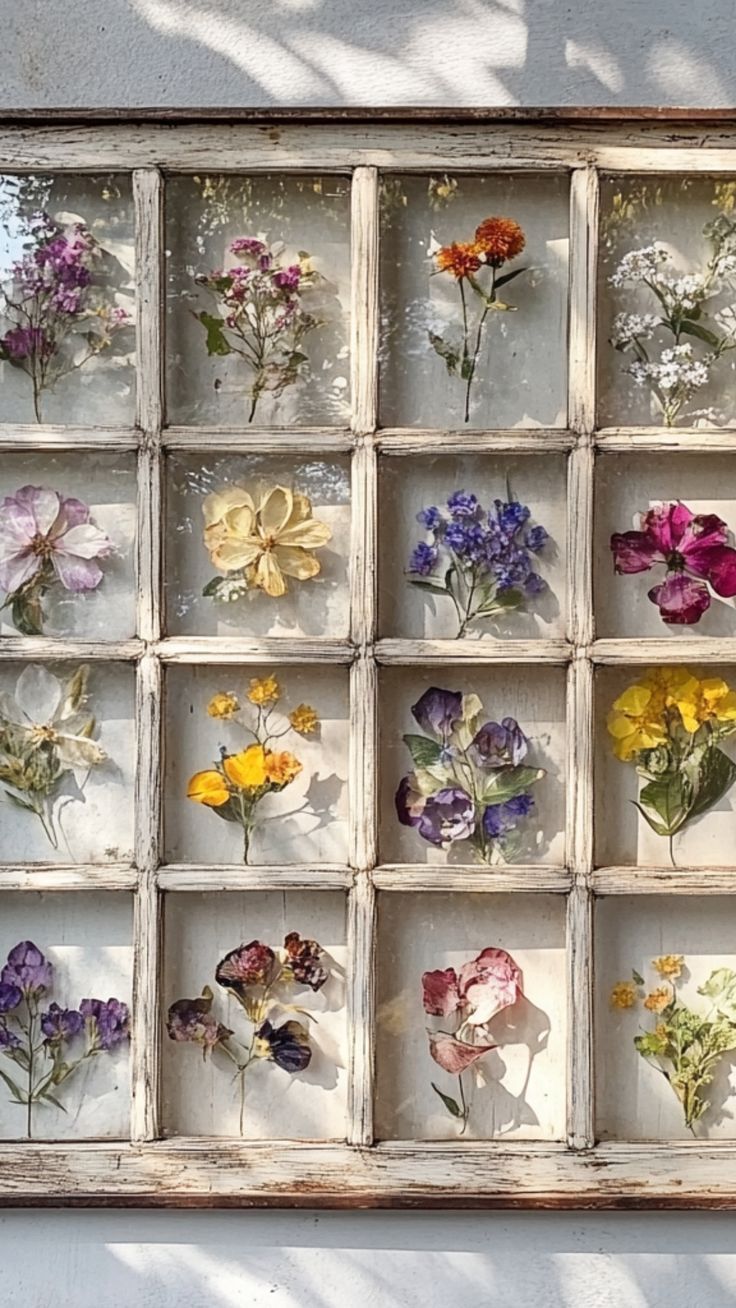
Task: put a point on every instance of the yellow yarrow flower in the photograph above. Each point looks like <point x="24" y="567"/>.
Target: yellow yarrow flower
<point x="208" y="788"/>
<point x="223" y="705"/>
<point x="247" y="770"/>
<point x="304" y="719"/>
<point x="658" y="1000"/>
<point x="623" y="994"/>
<point x="669" y="965"/>
<point x="264" y="691"/>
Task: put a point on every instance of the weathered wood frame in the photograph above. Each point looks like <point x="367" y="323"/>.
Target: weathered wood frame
<point x="150" y="1170"/>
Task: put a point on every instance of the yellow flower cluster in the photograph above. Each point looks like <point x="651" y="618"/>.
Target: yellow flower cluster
<point x="250" y="771"/>
<point x="264" y="691"/>
<point x="658" y="1000"/>
<point x="640" y="717"/>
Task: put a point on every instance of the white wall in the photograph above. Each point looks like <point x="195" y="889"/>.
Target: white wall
<point x="322" y="52"/>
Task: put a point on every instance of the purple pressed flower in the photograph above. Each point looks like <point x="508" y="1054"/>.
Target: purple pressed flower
<point x="499" y="745"/>
<point x="23" y="342"/>
<point x="247" y="245"/>
<point x="534" y="584"/>
<point x="423" y="559"/>
<point x="431" y="518"/>
<point x="8" y="1039"/>
<point x="40" y="528"/>
<point x="287" y="279"/>
<point x="303" y="961"/>
<point x="511" y="516"/>
<point x="286" y="1045"/>
<point x="462" y="505"/>
<point x="498" y="819"/>
<point x="438" y="711"/>
<point x="60" y="1024"/>
<point x="110" y="1019"/>
<point x="27" y="968"/>
<point x="536" y="538"/>
<point x="10" y="996"/>
<point x="249" y="965"/>
<point x="693" y="549"/>
<point x="409" y="803"/>
<point x="447" y="816"/>
<point x="192" y="1020"/>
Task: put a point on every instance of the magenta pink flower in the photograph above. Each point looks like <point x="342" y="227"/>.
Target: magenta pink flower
<point x="41" y="529"/>
<point x="491" y="982"/>
<point x="693" y="549"/>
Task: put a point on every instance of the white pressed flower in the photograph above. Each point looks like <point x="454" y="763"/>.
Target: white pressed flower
<point x="633" y="326"/>
<point x="639" y="265"/>
<point x="47" y="710"/>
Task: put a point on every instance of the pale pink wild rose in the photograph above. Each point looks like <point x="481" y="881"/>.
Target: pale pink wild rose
<point x="40" y="527"/>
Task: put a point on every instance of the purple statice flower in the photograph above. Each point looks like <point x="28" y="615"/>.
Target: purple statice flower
<point x="423" y="559"/>
<point x="59" y="1024"/>
<point x="10" y="996"/>
<point x="431" y="518"/>
<point x="511" y="515"/>
<point x="24" y="342"/>
<point x="192" y="1020"/>
<point x="27" y="969"/>
<point x="8" y="1039"/>
<point x="463" y="505"/>
<point x="109" y="1020"/>
<point x="438" y="711"/>
<point x="42" y="529"/>
<point x="536" y="538"/>
<point x="498" y="819"/>
<point x="286" y="1045"/>
<point x="303" y="961"/>
<point x="499" y="745"/>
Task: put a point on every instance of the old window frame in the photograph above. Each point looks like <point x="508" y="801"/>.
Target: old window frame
<point x="150" y="1170"/>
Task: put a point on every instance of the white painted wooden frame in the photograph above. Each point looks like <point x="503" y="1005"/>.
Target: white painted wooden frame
<point x="149" y="1169"/>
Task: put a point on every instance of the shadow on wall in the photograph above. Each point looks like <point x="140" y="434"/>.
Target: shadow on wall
<point x="330" y="52"/>
<point x="340" y="1260"/>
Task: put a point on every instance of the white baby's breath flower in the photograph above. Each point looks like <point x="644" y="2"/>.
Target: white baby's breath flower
<point x="633" y="326"/>
<point x="639" y="265"/>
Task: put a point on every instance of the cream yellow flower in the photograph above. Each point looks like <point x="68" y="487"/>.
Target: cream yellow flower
<point x="635" y="721"/>
<point x="658" y="1000"/>
<point x="281" y="767"/>
<point x="208" y="788"/>
<point x="304" y="719"/>
<point x="623" y="994"/>
<point x="669" y="965"/>
<point x="247" y="770"/>
<point x="270" y="542"/>
<point x="263" y="690"/>
<point x="223" y="705"/>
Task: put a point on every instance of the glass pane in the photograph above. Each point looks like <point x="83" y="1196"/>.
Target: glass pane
<point x="508" y="564"/>
<point x="256" y="765"/>
<point x="65" y="989"/>
<point x="664" y="766"/>
<point x="667" y="318"/>
<point x="258" y="299"/>
<point x="67" y="306"/>
<point x="68" y="536"/>
<point x="67" y="761"/>
<point x="667" y="526"/>
<point x="507" y="368"/>
<point x="211" y="591"/>
<point x="272" y="1070"/>
<point x="675" y="947"/>
<point x="493" y="1065"/>
<point x="479" y="775"/>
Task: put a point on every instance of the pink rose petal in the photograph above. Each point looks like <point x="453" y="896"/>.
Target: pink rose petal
<point x="455" y="1055"/>
<point x="634" y="551"/>
<point x="440" y="992"/>
<point x="76" y="574"/>
<point x="488" y="984"/>
<point x="722" y="570"/>
<point x="681" y="599"/>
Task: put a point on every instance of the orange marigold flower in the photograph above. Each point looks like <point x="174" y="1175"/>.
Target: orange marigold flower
<point x="281" y="767"/>
<point x="460" y="258"/>
<point x="658" y="1000"/>
<point x="499" y="239"/>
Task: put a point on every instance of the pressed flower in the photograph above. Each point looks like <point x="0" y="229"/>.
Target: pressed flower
<point x="693" y="549"/>
<point x="39" y="528"/>
<point x="247" y="770"/>
<point x="248" y="965"/>
<point x="623" y="994"/>
<point x="438" y="711"/>
<point x="441" y="993"/>
<point x="264" y="690"/>
<point x="109" y="1019"/>
<point x="489" y="983"/>
<point x="223" y="705"/>
<point x="28" y="969"/>
<point x="499" y="239"/>
<point x="461" y="259"/>
<point x="208" y="788"/>
<point x="59" y="1024"/>
<point x="191" y="1020"/>
<point x="304" y="961"/>
<point x="669" y="966"/>
<point x="710" y="700"/>
<point x="50" y="712"/>
<point x="635" y="723"/>
<point x="454" y="1055"/>
<point x="286" y="1045"/>
<point x="304" y="720"/>
<point x="267" y="544"/>
<point x="281" y="767"/>
<point x="658" y="1000"/>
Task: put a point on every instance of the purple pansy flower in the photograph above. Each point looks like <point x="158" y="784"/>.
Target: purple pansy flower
<point x="192" y="1020"/>
<point x="438" y="711"/>
<point x="286" y="1045"/>
<point x="446" y="816"/>
<point x="27" y="969"/>
<point x="40" y="528"/>
<point x="60" y="1024"/>
<point x="498" y="819"/>
<point x="693" y="549"/>
<point x="111" y="1020"/>
<point x="499" y="744"/>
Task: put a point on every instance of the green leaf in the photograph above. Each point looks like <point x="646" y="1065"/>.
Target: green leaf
<point x="18" y="803"/>
<point x="451" y="1104"/>
<point x="467" y="368"/>
<point x="716" y="774"/>
<point x="435" y="587"/>
<point x="53" y="1100"/>
<point x="27" y="614"/>
<point x="509" y="277"/>
<point x="666" y="803"/>
<point x="507" y="783"/>
<point x="636" y="977"/>
<point x="505" y="599"/>
<point x="18" y="1094"/>
<point x="691" y="328"/>
<point x="424" y="752"/>
<point x="446" y="352"/>
<point x="217" y="342"/>
<point x="723" y="979"/>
